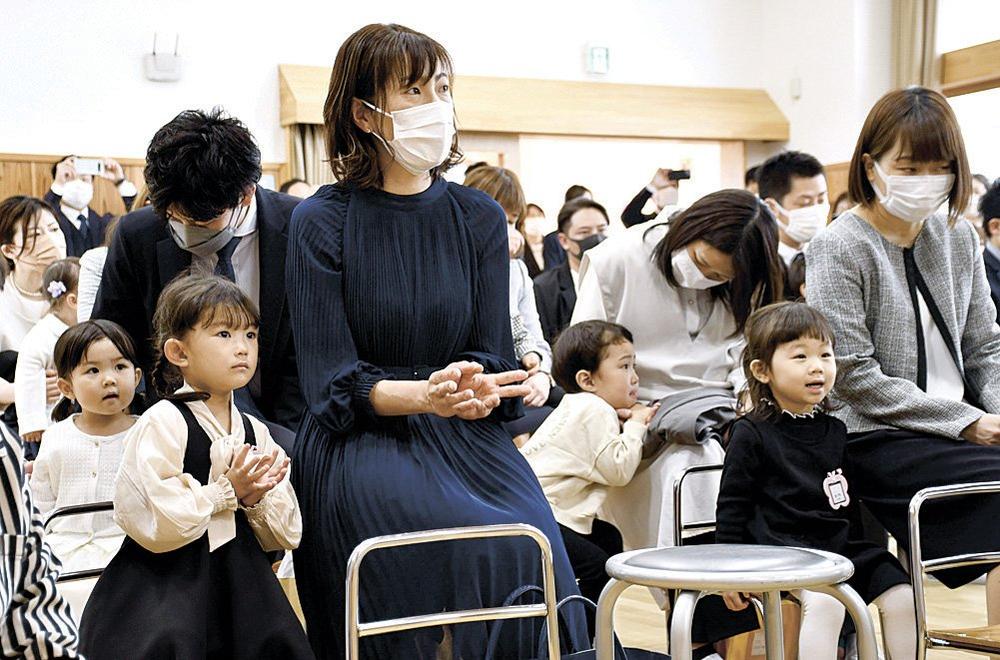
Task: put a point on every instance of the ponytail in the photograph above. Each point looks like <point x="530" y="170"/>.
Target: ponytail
<point x="64" y="409"/>
<point x="167" y="379"/>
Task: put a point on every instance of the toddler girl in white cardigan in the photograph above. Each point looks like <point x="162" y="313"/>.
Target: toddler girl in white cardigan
<point x="34" y="358"/>
<point x="583" y="448"/>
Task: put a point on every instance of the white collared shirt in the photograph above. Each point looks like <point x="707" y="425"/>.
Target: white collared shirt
<point x="126" y="189"/>
<point x="787" y="252"/>
<point x="246" y="257"/>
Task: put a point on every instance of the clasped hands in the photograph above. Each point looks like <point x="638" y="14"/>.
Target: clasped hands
<point x="462" y="390"/>
<point x="253" y="475"/>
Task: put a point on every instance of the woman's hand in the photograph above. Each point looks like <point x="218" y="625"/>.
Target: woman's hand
<point x="52" y="392"/>
<point x="539" y="384"/>
<point x="32" y="436"/>
<point x="462" y="390"/>
<point x="736" y="600"/>
<point x="984" y="431"/>
<point x="532" y="362"/>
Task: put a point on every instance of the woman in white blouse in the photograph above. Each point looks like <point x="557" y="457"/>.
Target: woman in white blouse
<point x="30" y="241"/>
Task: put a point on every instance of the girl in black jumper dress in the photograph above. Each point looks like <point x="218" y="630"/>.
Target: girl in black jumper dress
<point x="784" y="481"/>
<point x="202" y="493"/>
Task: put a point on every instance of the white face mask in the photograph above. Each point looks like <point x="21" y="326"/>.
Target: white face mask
<point x="805" y="223"/>
<point x="687" y="272"/>
<point x="421" y="135"/>
<point x="77" y="194"/>
<point x="913" y="198"/>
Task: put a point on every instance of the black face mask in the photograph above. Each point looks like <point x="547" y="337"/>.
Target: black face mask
<point x="591" y="241"/>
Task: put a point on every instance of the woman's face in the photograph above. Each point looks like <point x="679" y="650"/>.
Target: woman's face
<point x="711" y="261"/>
<point x="896" y="162"/>
<point x="401" y="97"/>
<point x="43" y="245"/>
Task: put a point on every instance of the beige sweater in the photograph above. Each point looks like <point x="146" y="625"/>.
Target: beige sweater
<point x="578" y="452"/>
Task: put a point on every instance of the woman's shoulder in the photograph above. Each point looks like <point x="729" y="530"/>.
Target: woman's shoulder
<point x="847" y="230"/>
<point x="961" y="235"/>
<point x="479" y="210"/>
<point x="325" y="208"/>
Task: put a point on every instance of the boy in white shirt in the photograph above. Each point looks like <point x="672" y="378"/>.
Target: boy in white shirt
<point x="583" y="447"/>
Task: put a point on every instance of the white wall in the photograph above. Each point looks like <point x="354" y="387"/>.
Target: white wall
<point x="71" y="75"/>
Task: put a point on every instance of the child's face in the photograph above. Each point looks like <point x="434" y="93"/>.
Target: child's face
<point x="104" y="382"/>
<point x="801" y="373"/>
<point x="217" y="358"/>
<point x="615" y="380"/>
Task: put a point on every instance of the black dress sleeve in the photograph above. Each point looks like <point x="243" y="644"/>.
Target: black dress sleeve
<point x="336" y="384"/>
<point x="735" y="506"/>
<point x="633" y="215"/>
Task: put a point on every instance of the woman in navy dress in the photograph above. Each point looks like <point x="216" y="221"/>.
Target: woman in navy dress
<point x="397" y="282"/>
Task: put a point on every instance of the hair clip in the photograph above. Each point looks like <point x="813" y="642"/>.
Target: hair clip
<point x="56" y="288"/>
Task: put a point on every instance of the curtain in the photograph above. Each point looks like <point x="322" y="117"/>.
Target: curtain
<point x="915" y="60"/>
<point x="307" y="158"/>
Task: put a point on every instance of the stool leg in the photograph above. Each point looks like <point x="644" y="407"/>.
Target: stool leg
<point x="867" y="646"/>
<point x="774" y="632"/>
<point x="605" y="623"/>
<point x="680" y="625"/>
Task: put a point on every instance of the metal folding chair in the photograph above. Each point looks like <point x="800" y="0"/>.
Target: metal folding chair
<point x="985" y="639"/>
<point x="699" y="525"/>
<point x="356" y="629"/>
<point x="78" y="510"/>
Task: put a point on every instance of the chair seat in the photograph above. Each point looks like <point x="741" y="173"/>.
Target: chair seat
<point x="729" y="567"/>
<point x="986" y="638"/>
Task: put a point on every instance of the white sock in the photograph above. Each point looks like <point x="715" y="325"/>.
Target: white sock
<point x="899" y="622"/>
<point x="822" y="618"/>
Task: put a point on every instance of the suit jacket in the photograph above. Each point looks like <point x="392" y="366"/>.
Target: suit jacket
<point x="553" y="254"/>
<point x="993" y="277"/>
<point x="143" y="258"/>
<point x="555" y="297"/>
<point x="78" y="242"/>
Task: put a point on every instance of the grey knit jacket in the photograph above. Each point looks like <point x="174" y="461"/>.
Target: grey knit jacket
<point x="857" y="279"/>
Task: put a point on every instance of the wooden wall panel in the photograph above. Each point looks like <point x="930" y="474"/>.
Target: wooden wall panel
<point x="972" y="69"/>
<point x="31" y="174"/>
<point x="563" y="107"/>
<point x="836" y="180"/>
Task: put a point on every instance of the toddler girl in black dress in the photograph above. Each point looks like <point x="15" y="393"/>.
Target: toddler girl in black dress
<point x="784" y="481"/>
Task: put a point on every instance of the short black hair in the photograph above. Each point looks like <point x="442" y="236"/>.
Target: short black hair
<point x="796" y="277"/>
<point x="55" y="164"/>
<point x="774" y="175"/>
<point x="989" y="204"/>
<point x="572" y="206"/>
<point x="576" y="190"/>
<point x="583" y="346"/>
<point x="751" y="175"/>
<point x="291" y="182"/>
<point x="202" y="162"/>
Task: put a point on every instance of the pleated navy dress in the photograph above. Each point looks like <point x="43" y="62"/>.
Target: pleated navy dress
<point x="384" y="286"/>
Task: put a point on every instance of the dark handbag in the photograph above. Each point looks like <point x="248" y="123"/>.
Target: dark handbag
<point x="621" y="653"/>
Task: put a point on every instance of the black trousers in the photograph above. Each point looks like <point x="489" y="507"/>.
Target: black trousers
<point x="588" y="553"/>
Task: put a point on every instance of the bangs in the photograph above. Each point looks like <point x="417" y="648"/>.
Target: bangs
<point x="231" y="314"/>
<point x="420" y="58"/>
<point x="799" y="326"/>
<point x="926" y="136"/>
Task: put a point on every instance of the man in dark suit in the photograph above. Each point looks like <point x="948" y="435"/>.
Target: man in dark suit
<point x="207" y="213"/>
<point x="583" y="223"/>
<point x="70" y="195"/>
<point x="989" y="209"/>
<point x="553" y="253"/>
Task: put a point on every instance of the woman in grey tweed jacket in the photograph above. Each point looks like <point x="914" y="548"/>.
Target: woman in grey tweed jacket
<point x="918" y="348"/>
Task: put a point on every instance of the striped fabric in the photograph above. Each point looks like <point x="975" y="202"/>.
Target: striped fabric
<point x="36" y="620"/>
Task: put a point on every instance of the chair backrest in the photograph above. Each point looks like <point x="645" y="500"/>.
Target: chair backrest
<point x="919" y="566"/>
<point x="78" y="510"/>
<point x="699" y="525"/>
<point x="549" y="609"/>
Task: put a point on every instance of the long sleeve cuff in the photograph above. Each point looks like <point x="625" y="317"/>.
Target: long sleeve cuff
<point x="361" y="394"/>
<point x="258" y="512"/>
<point x="222" y="495"/>
<point x="127" y="189"/>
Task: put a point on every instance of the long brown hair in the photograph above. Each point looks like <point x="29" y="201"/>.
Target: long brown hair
<point x="370" y="62"/>
<point x="768" y="328"/>
<point x="927" y="130"/>
<point x="502" y="185"/>
<point x="736" y="223"/>
<point x="191" y="301"/>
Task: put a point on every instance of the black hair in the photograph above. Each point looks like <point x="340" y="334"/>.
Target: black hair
<point x="750" y="176"/>
<point x="571" y="207"/>
<point x="739" y="224"/>
<point x="768" y="328"/>
<point x="201" y="164"/>
<point x="16" y="214"/>
<point x="989" y="205"/>
<point x="576" y="190"/>
<point x="582" y="346"/>
<point x="291" y="182"/>
<point x="71" y="350"/>
<point x="796" y="277"/>
<point x="191" y="301"/>
<point x="774" y="175"/>
<point x="56" y="164"/>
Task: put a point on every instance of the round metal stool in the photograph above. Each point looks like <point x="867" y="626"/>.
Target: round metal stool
<point x="697" y="570"/>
